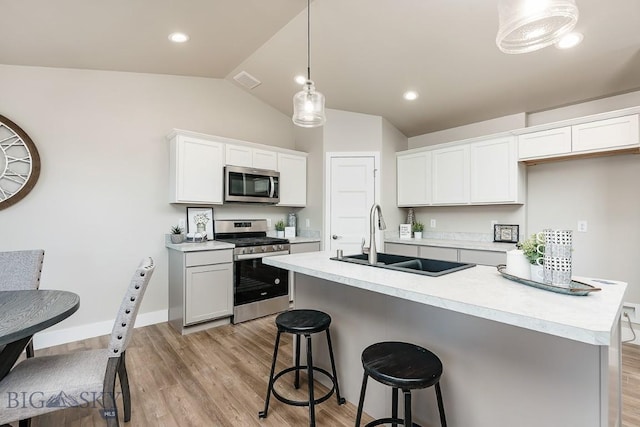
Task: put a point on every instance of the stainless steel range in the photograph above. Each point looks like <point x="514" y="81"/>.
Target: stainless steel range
<point x="258" y="289"/>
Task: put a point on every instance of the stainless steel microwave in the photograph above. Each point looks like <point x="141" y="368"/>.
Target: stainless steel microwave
<point x="250" y="185"/>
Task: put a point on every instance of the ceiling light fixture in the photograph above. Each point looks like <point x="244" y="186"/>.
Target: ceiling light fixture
<point x="178" y="37"/>
<point x="570" y="40"/>
<point x="308" y="104"/>
<point x="410" y="95"/>
<point x="529" y="25"/>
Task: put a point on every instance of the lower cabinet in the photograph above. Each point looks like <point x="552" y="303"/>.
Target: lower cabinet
<point x="447" y="254"/>
<point x="298" y="248"/>
<point x="200" y="287"/>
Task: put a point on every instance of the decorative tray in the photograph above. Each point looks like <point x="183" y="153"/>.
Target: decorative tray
<point x="576" y="288"/>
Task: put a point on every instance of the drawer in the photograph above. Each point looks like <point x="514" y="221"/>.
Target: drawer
<point x="483" y="257"/>
<point x="208" y="257"/>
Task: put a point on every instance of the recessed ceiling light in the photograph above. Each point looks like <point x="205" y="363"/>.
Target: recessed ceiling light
<point x="300" y="79"/>
<point x="410" y="95"/>
<point x="178" y="37"/>
<point x="570" y="40"/>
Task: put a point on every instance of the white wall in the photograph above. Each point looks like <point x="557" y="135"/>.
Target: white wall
<point x="101" y="203"/>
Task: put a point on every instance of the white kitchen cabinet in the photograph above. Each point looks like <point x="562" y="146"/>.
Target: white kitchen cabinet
<point x="553" y="142"/>
<point x="604" y="135"/>
<point x="451" y="179"/>
<point x="482" y="257"/>
<point x="598" y="136"/>
<point x="298" y="248"/>
<point x="240" y="155"/>
<point x="435" y="252"/>
<point x="293" y="179"/>
<point x="195" y="170"/>
<point x="495" y="171"/>
<point x="400" y="249"/>
<point x="414" y="179"/>
<point x="200" y="287"/>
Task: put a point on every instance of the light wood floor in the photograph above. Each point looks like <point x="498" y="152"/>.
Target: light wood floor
<point x="219" y="378"/>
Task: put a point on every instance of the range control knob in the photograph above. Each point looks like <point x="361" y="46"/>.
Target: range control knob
<point x="250" y="250"/>
<point x="275" y="247"/>
<point x="280" y="247"/>
<point x="264" y="249"/>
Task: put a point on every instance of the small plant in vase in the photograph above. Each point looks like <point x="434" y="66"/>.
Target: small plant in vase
<point x="280" y="228"/>
<point x="533" y="249"/>
<point x="417" y="229"/>
<point x="176" y="234"/>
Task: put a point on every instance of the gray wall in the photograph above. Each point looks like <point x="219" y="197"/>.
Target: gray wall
<point x="101" y="203"/>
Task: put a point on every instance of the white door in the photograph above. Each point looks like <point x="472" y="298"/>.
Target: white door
<point x="351" y="195"/>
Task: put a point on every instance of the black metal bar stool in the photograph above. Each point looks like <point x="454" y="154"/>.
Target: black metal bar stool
<point x="303" y="322"/>
<point x="401" y="366"/>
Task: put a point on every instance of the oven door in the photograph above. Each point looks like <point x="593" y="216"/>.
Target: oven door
<point x="249" y="185"/>
<point x="255" y="281"/>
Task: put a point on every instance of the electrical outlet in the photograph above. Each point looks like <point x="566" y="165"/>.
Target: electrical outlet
<point x="493" y="222"/>
<point x="181" y="223"/>
<point x="631" y="310"/>
<point x="269" y="222"/>
<point x="307" y="222"/>
<point x="582" y="225"/>
<point x="432" y="224"/>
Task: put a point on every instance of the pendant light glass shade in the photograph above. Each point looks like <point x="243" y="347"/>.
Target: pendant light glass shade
<point x="308" y="104"/>
<point x="529" y="25"/>
<point x="308" y="107"/>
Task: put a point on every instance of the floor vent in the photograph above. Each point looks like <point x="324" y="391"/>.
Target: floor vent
<point x="246" y="80"/>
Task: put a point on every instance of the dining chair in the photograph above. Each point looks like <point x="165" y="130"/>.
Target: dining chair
<point x="20" y="270"/>
<point x="49" y="383"/>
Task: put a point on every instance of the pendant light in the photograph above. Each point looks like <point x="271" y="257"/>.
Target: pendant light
<point x="529" y="25"/>
<point x="308" y="104"/>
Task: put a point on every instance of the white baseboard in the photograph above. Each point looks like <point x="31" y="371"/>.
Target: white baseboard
<point x="62" y="336"/>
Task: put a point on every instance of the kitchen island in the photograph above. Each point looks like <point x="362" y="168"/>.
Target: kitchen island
<point x="513" y="355"/>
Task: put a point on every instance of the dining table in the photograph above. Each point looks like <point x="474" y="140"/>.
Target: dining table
<point x="25" y="312"/>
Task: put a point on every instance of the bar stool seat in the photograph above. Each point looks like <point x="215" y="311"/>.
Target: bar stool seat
<point x="402" y="366"/>
<point x="303" y="322"/>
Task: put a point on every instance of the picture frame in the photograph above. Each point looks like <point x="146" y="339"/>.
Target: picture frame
<point x="192" y="211"/>
<point x="506" y="233"/>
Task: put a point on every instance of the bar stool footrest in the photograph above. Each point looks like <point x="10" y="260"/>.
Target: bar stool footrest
<point x="303" y="402"/>
<point x="381" y="421"/>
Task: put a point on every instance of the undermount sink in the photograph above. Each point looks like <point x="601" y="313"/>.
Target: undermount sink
<point x="425" y="266"/>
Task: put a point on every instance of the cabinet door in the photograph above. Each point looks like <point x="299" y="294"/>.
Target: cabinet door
<point x="494" y="171"/>
<point x="545" y="143"/>
<point x="451" y="175"/>
<point x="607" y="134"/>
<point x="293" y="179"/>
<point x="483" y="257"/>
<point x="263" y="159"/>
<point x="208" y="292"/>
<point x="298" y="248"/>
<point x="414" y="179"/>
<point x="401" y="249"/>
<point x="238" y="155"/>
<point x="434" y="252"/>
<point x="195" y="170"/>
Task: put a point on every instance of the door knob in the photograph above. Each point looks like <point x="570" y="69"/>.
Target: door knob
<point x="335" y="237"/>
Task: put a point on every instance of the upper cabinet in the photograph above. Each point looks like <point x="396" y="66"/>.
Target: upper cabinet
<point x="197" y="162"/>
<point x="496" y="176"/>
<point x="195" y="170"/>
<point x="466" y="173"/>
<point x="414" y="179"/>
<point x="598" y="136"/>
<point x="450" y="175"/>
<point x="240" y="155"/>
<point x="293" y="179"/>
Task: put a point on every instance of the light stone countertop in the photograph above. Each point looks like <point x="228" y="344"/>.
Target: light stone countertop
<point x="209" y="245"/>
<point x="299" y="239"/>
<point x="456" y="244"/>
<point x="479" y="291"/>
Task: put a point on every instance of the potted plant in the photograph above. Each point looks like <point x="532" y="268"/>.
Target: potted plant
<point x="280" y="228"/>
<point x="533" y="249"/>
<point x="417" y="229"/>
<point x="176" y="234"/>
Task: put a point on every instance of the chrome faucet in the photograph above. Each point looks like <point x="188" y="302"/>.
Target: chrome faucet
<point x="371" y="250"/>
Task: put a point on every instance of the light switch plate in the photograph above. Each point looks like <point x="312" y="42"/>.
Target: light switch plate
<point x="582" y="226"/>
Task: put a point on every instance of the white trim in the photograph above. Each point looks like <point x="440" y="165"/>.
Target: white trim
<point x="327" y="186"/>
<point x="77" y="333"/>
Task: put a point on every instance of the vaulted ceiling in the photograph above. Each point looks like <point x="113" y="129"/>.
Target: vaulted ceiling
<point x="364" y="53"/>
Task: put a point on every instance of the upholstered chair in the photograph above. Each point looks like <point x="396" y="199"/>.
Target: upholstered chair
<point x="60" y="381"/>
<point x="20" y="270"/>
